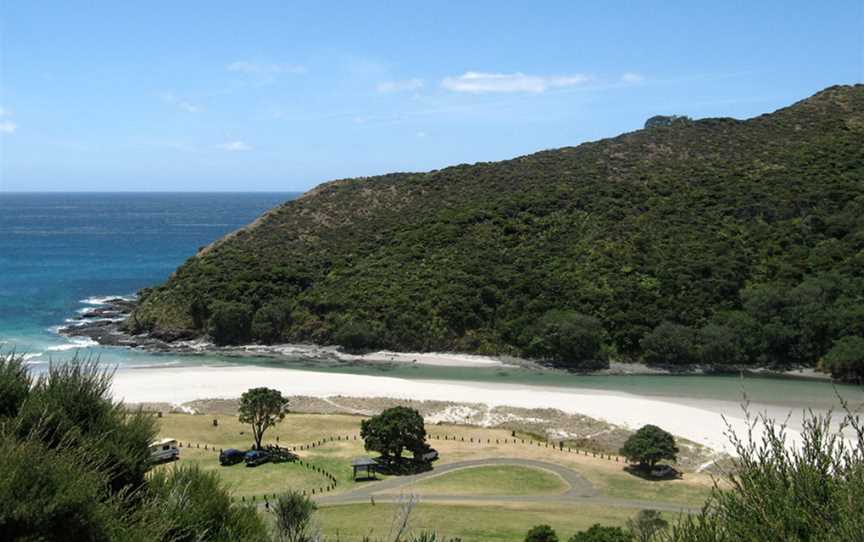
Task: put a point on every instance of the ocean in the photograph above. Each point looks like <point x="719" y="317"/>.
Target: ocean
<point x="61" y="253"/>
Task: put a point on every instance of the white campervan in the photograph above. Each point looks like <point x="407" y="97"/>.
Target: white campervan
<point x="164" y="450"/>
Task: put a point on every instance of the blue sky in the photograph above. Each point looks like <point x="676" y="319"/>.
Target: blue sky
<point x="284" y="95"/>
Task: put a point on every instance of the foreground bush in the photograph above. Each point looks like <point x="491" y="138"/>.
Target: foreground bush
<point x="781" y="491"/>
<point x="74" y="463"/>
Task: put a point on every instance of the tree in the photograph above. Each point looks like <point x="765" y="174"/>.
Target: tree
<point x="541" y="533"/>
<point x="270" y="322"/>
<point x="845" y="360"/>
<point x="601" y="533"/>
<point x="262" y="408"/>
<point x="230" y="322"/>
<point x="567" y="337"/>
<point x="671" y="344"/>
<point x="647" y="525"/>
<point x="292" y="513"/>
<point x="649" y="445"/>
<point x="394" y="430"/>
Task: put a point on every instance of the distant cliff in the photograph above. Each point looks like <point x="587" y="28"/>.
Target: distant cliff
<point x="706" y="241"/>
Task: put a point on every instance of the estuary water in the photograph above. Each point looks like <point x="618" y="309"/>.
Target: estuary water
<point x="61" y="253"/>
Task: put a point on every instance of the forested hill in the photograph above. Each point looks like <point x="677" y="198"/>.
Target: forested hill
<point x="714" y="240"/>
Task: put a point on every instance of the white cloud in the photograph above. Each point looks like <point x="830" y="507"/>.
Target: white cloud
<point x="185" y="105"/>
<point x="8" y="127"/>
<point x="3" y="112"/>
<point x="258" y="68"/>
<point x="400" y="86"/>
<point x="632" y="78"/>
<point x="234" y="146"/>
<point x="479" y="83"/>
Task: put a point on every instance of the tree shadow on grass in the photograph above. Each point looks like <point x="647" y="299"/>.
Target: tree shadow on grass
<point x="405" y="467"/>
<point x="659" y="473"/>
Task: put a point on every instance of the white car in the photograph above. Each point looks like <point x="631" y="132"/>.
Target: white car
<point x="164" y="450"/>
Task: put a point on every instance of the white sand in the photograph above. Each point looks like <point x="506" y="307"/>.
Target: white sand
<point x="440" y="359"/>
<point x="182" y="384"/>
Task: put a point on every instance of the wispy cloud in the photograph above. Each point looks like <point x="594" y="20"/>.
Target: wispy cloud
<point x="632" y="78"/>
<point x="6" y="126"/>
<point x="185" y="105"/>
<point x="481" y="83"/>
<point x="405" y="85"/>
<point x="234" y="146"/>
<point x="265" y="68"/>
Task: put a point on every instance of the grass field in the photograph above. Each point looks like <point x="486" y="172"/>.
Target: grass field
<point x="492" y="480"/>
<point x="473" y="522"/>
<point x="480" y="519"/>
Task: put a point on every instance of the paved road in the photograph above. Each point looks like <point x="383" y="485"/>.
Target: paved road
<point x="580" y="489"/>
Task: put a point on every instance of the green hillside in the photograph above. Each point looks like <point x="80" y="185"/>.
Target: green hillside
<point x="711" y="241"/>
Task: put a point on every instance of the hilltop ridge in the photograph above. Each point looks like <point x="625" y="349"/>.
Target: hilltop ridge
<point x="708" y="241"/>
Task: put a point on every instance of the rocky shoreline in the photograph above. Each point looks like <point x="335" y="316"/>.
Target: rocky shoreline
<point x="103" y="323"/>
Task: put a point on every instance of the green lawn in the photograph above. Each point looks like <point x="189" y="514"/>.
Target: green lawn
<point x="471" y="522"/>
<point x="265" y="479"/>
<point x="491" y="480"/>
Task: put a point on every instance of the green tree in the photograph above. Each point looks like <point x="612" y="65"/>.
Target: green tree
<point x="270" y="321"/>
<point x="541" y="533"/>
<point x="602" y="533"/>
<point x="292" y="514"/>
<point x="670" y="344"/>
<point x="262" y="408"/>
<point x="356" y="335"/>
<point x="394" y="430"/>
<point x="230" y="322"/>
<point x="647" y="526"/>
<point x="567" y="337"/>
<point x="845" y="360"/>
<point x="649" y="445"/>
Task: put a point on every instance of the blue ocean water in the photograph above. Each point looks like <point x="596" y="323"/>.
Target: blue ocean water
<point x="57" y="250"/>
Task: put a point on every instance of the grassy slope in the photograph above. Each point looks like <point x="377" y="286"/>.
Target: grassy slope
<point x="667" y="223"/>
<point x="492" y="480"/>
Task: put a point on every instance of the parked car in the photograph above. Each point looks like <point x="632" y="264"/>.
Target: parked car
<point x="164" y="450"/>
<point x="256" y="457"/>
<point x="231" y="456"/>
<point x="426" y="455"/>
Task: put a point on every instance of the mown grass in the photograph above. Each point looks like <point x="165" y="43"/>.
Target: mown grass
<point x="266" y="479"/>
<point x="487" y="522"/>
<point x="491" y="480"/>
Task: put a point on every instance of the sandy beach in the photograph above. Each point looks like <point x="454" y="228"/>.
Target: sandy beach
<point x="701" y="423"/>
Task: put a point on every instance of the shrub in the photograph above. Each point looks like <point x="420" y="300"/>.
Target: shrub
<point x="541" y="533"/>
<point x="270" y="321"/>
<point x="671" y="344"/>
<point x="845" y="360"/>
<point x="196" y="508"/>
<point x="780" y="491"/>
<point x="601" y="533"/>
<point x="15" y="384"/>
<point x="568" y="338"/>
<point x="292" y="513"/>
<point x="230" y="323"/>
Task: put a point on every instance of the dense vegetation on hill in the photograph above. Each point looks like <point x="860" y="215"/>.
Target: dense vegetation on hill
<point x="714" y="241"/>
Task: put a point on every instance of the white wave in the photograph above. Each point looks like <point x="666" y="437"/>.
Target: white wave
<point x="28" y="357"/>
<point x="103" y="300"/>
<point x="75" y="343"/>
